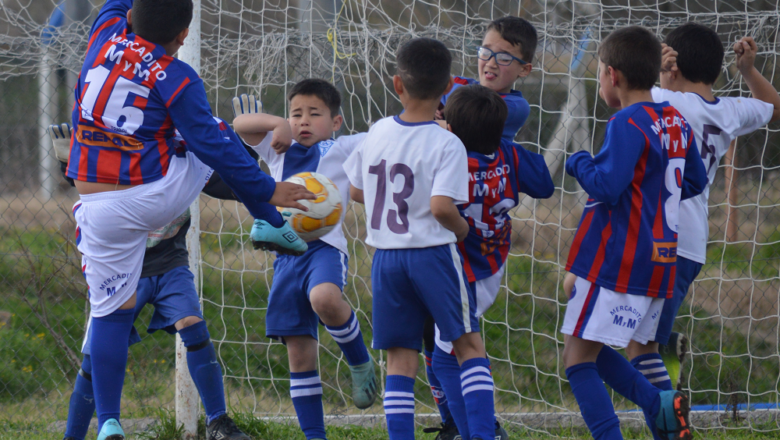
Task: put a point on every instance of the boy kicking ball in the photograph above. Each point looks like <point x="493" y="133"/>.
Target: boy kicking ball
<point x="308" y="289"/>
<point x="624" y="250"/>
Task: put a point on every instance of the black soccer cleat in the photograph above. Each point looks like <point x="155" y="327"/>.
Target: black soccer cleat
<point x="501" y="433"/>
<point x="447" y="431"/>
<point x="223" y="428"/>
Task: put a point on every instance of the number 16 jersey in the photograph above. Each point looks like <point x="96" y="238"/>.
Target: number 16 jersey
<point x="400" y="166"/>
<point x="123" y="132"/>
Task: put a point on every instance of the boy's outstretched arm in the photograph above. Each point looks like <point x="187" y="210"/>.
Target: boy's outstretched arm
<point x="253" y="125"/>
<point x="533" y="176"/>
<point x="695" y="175"/>
<point x="607" y="175"/>
<point x="760" y="87"/>
<point x="446" y="213"/>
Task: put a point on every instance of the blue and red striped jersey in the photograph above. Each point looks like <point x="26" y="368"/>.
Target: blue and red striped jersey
<point x="626" y="240"/>
<point x="518" y="107"/>
<point x="495" y="182"/>
<point x="129" y="97"/>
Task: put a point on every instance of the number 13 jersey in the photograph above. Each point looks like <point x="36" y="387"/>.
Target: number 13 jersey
<point x="123" y="132"/>
<point x="400" y="166"/>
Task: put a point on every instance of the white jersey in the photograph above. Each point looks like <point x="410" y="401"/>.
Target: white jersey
<point x="327" y="158"/>
<point x="400" y="166"/>
<point x="715" y="125"/>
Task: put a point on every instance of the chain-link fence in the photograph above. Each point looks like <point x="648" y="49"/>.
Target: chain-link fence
<point x="263" y="47"/>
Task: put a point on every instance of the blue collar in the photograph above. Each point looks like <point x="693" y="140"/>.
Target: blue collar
<point x="413" y="124"/>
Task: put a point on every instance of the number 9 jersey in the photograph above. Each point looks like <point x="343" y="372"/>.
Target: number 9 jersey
<point x="400" y="166"/>
<point x="627" y="238"/>
<point x="123" y="132"/>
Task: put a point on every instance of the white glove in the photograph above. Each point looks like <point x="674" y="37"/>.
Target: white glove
<point x="60" y="139"/>
<point x="246" y="104"/>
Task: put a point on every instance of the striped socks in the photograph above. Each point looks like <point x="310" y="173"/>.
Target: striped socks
<point x="350" y="339"/>
<point x="477" y="384"/>
<point x="306" y="393"/>
<point x="652" y="367"/>
<point x="399" y="407"/>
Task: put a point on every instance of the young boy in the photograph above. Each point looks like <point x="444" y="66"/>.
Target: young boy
<point x="624" y="251"/>
<point x="410" y="173"/>
<point x="308" y="289"/>
<point x="130" y="94"/>
<point x="506" y="54"/>
<point x="692" y="61"/>
<point x="498" y="172"/>
<point x="167" y="283"/>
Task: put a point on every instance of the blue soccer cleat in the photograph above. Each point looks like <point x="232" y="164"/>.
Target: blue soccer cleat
<point x="282" y="240"/>
<point x="672" y="421"/>
<point x="111" y="430"/>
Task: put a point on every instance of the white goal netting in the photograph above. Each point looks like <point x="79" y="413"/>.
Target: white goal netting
<point x="731" y="315"/>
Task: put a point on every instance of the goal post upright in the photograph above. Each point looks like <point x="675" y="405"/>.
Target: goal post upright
<point x="187" y="399"/>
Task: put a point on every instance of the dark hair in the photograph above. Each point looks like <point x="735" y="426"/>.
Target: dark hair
<point x="518" y="32"/>
<point x="700" y="52"/>
<point x="636" y="53"/>
<point x="160" y="21"/>
<point x="424" y="67"/>
<point x="477" y="115"/>
<point x="320" y="88"/>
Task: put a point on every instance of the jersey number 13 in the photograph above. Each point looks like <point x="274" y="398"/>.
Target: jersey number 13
<point x="397" y="219"/>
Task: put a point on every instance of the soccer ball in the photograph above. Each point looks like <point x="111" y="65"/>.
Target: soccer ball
<point x="324" y="212"/>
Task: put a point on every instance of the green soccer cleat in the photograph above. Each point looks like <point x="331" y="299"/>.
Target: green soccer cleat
<point x="673" y="355"/>
<point x="364" y="385"/>
<point x="447" y="431"/>
<point x="111" y="430"/>
<point x="672" y="420"/>
<point x="282" y="240"/>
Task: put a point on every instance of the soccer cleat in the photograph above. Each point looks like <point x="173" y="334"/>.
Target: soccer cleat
<point x="501" y="433"/>
<point x="447" y="431"/>
<point x="673" y="355"/>
<point x="364" y="385"/>
<point x="111" y="430"/>
<point x="223" y="428"/>
<point x="282" y="240"/>
<point x="672" y="421"/>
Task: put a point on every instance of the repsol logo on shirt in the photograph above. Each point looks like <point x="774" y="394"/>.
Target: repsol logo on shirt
<point x="95" y="137"/>
<point x="664" y="252"/>
<point x="111" y="290"/>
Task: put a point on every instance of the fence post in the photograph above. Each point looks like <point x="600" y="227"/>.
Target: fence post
<point x="187" y="399"/>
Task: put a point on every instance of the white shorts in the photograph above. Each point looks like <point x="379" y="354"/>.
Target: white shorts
<point x="112" y="228"/>
<point x="597" y="314"/>
<point x="486" y="291"/>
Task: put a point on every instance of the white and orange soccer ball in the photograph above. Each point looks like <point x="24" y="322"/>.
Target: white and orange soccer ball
<point x="324" y="212"/>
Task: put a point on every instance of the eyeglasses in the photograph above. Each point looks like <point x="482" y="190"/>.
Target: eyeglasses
<point x="502" y="58"/>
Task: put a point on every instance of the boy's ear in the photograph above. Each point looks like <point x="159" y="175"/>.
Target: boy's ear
<point x="449" y="86"/>
<point x="614" y="75"/>
<point x="130" y="17"/>
<point x="337" y="121"/>
<point x="525" y="70"/>
<point x="398" y="85"/>
<point x="182" y="36"/>
<point x="449" y="128"/>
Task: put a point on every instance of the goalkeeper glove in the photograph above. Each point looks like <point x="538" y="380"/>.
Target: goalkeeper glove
<point x="60" y="139"/>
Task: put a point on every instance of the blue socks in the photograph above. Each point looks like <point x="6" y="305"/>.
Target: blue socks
<point x="448" y="371"/>
<point x="594" y="401"/>
<point x="439" y="396"/>
<point x="652" y="367"/>
<point x="82" y="403"/>
<point x="619" y="374"/>
<point x="350" y="339"/>
<point x="477" y="384"/>
<point x="399" y="407"/>
<point x="204" y="369"/>
<point x="306" y="393"/>
<point x="110" y="341"/>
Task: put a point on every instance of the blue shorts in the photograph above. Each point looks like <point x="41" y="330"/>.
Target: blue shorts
<point x="687" y="270"/>
<point x="289" y="310"/>
<point x="411" y="284"/>
<point x="173" y="296"/>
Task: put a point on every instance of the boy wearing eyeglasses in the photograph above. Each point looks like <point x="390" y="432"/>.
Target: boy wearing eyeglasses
<point x="505" y="55"/>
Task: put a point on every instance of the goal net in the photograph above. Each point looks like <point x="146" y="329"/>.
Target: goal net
<point x="731" y="316"/>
